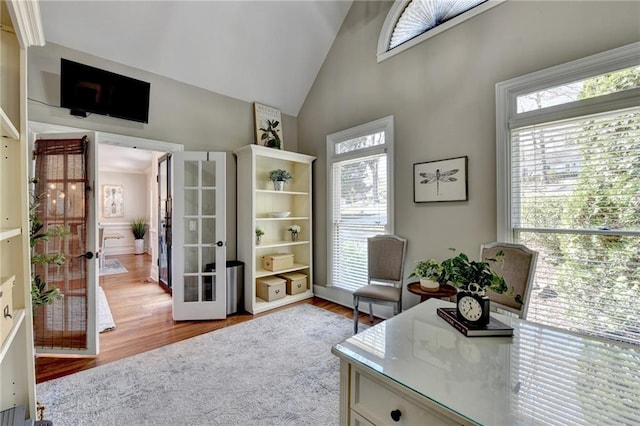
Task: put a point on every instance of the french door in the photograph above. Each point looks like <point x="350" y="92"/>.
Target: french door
<point x="65" y="169"/>
<point x="199" y="241"/>
<point x="164" y="221"/>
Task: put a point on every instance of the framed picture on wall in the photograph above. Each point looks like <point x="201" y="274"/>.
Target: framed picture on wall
<point x="441" y="180"/>
<point x="112" y="201"/>
<point x="268" y="126"/>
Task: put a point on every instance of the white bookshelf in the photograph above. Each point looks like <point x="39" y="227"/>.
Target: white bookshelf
<point x="20" y="27"/>
<point x="256" y="199"/>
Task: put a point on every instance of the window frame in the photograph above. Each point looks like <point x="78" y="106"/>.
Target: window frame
<point x="384" y="39"/>
<point x="507" y="116"/>
<point x="381" y="125"/>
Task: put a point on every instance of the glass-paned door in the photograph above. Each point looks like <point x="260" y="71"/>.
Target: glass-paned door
<point x="199" y="241"/>
<point x="64" y="206"/>
<point x="164" y="221"/>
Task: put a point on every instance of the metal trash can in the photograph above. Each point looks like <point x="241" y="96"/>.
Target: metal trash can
<point x="235" y="284"/>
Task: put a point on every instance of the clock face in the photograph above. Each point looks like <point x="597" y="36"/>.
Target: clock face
<point x="470" y="308"/>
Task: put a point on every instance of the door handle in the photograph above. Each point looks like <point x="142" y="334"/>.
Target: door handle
<point x="219" y="243"/>
<point x="87" y="255"/>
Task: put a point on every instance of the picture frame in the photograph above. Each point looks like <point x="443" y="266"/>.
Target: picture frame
<point x="268" y="126"/>
<point x="440" y="180"/>
<point x="112" y="201"/>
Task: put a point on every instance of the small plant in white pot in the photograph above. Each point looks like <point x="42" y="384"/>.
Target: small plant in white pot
<point x="428" y="271"/>
<point x="279" y="177"/>
<point x="259" y="234"/>
<point x="139" y="229"/>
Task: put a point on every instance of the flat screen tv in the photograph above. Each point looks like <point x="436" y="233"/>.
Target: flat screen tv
<point x="88" y="89"/>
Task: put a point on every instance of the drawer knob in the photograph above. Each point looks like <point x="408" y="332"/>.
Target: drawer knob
<point x="395" y="415"/>
<point x="6" y="312"/>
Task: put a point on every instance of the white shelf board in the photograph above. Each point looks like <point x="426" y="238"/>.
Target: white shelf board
<point x="261" y="305"/>
<point x="272" y="192"/>
<point x="273" y="244"/>
<point x="8" y="129"/>
<point x="6" y="233"/>
<point x="264" y="273"/>
<point x="18" y="318"/>
<point x="283" y="218"/>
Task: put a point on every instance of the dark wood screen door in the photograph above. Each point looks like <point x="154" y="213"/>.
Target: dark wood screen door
<point x="63" y="192"/>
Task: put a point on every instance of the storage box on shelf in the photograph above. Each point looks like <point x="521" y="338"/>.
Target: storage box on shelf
<point x="270" y="288"/>
<point x="260" y="205"/>
<point x="296" y="282"/>
<point x="277" y="262"/>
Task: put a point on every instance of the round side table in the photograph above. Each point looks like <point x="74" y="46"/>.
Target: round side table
<point x="445" y="290"/>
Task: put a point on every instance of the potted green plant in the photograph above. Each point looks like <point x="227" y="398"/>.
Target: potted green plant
<point x="259" y="234"/>
<point x="428" y="271"/>
<point x="470" y="275"/>
<point x="473" y="279"/>
<point x="279" y="177"/>
<point x="139" y="229"/>
<point x="42" y="293"/>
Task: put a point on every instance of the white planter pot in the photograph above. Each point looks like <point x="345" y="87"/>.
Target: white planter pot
<point x="139" y="246"/>
<point x="429" y="285"/>
<point x="278" y="185"/>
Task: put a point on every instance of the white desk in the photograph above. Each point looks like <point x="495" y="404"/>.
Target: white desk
<point x="417" y="363"/>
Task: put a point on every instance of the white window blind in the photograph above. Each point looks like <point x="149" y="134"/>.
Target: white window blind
<point x="359" y="212"/>
<point x="575" y="197"/>
<point x="360" y="199"/>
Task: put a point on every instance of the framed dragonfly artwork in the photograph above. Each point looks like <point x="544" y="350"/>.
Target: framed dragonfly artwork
<point x="441" y="180"/>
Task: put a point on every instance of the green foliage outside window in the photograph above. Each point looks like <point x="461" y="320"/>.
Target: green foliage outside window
<point x="601" y="273"/>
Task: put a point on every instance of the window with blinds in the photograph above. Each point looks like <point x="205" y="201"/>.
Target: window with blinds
<point x="571" y="170"/>
<point x="576" y="199"/>
<point x="359" y="183"/>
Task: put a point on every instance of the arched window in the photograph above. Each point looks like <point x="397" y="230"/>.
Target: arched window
<point x="410" y="22"/>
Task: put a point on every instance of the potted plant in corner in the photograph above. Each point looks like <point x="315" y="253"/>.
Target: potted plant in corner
<point x="473" y="279"/>
<point x="279" y="177"/>
<point x="428" y="271"/>
<point x="139" y="229"/>
<point x="42" y="293"/>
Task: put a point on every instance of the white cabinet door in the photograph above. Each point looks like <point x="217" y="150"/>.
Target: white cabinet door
<point x="199" y="239"/>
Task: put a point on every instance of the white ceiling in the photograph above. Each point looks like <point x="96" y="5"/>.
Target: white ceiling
<point x="256" y="51"/>
<point x="119" y="159"/>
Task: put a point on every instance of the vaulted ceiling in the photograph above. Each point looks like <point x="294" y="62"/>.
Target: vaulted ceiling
<point x="263" y="51"/>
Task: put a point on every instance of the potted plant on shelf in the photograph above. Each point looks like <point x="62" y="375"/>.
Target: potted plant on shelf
<point x="428" y="271"/>
<point x="473" y="279"/>
<point x="279" y="177"/>
<point x="259" y="234"/>
<point x="295" y="230"/>
<point x="139" y="229"/>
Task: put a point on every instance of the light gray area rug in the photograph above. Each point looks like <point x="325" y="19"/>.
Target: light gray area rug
<point x="273" y="370"/>
<point x="105" y="319"/>
<point x="112" y="267"/>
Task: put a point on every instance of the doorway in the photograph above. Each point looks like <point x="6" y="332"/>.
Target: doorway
<point x="113" y="164"/>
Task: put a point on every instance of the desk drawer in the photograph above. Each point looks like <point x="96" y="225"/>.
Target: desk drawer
<point x="375" y="402"/>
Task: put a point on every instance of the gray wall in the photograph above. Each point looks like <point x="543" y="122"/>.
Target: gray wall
<point x="441" y="93"/>
<point x="178" y="113"/>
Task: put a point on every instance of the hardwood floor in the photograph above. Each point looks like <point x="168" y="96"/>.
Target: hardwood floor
<point x="142" y="312"/>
